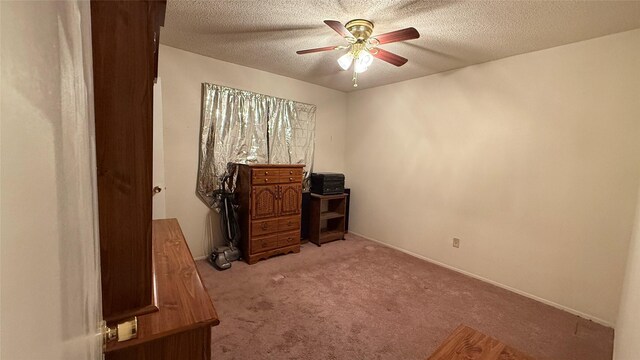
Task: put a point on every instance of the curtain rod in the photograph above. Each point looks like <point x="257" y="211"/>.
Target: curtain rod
<point x="257" y="93"/>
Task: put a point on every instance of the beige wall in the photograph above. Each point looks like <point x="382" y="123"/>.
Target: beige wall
<point x="182" y="74"/>
<point x="627" y="344"/>
<point x="532" y="161"/>
<point x="50" y="271"/>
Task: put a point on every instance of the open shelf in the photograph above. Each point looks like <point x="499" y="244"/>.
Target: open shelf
<point x="327" y="197"/>
<point x="327" y="220"/>
<point x="326" y="215"/>
<point x="330" y="235"/>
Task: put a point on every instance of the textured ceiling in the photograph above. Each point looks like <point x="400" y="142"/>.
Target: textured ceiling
<point x="266" y="34"/>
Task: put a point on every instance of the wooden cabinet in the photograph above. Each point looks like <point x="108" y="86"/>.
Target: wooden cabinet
<point x="264" y="201"/>
<point x="146" y="267"/>
<point x="327" y="220"/>
<point x="124" y="43"/>
<point x="270" y="198"/>
<point x="290" y="199"/>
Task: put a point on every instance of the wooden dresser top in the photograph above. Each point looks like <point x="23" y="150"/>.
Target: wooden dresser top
<point x="182" y="300"/>
<point x="273" y="165"/>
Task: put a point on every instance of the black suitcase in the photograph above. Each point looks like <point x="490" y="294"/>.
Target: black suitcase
<point x="327" y="183"/>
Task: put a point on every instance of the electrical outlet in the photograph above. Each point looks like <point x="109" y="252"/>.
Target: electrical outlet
<point x="456" y="242"/>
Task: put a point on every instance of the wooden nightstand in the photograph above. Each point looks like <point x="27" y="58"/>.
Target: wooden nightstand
<point x="327" y="223"/>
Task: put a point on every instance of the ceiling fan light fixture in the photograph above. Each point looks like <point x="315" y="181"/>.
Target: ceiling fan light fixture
<point x="345" y="61"/>
<point x="362" y="46"/>
<point x="363" y="61"/>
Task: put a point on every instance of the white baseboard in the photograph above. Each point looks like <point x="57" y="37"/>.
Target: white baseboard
<point x="506" y="287"/>
<point x="200" y="258"/>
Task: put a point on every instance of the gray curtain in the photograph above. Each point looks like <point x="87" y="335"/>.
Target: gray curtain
<point x="239" y="126"/>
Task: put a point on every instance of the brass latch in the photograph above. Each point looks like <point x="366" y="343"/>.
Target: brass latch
<point x="123" y="331"/>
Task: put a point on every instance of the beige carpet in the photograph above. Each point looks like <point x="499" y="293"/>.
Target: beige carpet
<point x="356" y="299"/>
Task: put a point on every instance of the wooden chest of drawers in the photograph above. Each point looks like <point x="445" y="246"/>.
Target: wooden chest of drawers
<point x="270" y="199"/>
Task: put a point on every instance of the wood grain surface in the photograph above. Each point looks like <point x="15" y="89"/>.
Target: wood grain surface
<point x="182" y="299"/>
<point x="466" y="343"/>
<point x="270" y="199"/>
<point x="190" y="345"/>
<point x="123" y="72"/>
<point x="329" y="225"/>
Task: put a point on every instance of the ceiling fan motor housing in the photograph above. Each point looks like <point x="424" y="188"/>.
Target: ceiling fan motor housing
<point x="360" y="29"/>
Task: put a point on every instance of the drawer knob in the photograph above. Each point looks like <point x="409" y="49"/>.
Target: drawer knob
<point x="266" y="180"/>
<point x="264" y="226"/>
<point x="266" y="173"/>
<point x="290" y="179"/>
<point x="290" y="172"/>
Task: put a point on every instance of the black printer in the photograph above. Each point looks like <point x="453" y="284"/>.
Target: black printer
<point x="327" y="183"/>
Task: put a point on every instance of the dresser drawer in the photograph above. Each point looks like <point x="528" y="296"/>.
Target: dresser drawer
<point x="265" y="176"/>
<point x="265" y="172"/>
<point x="261" y="180"/>
<point x="290" y="175"/>
<point x="264" y="243"/>
<point x="291" y="179"/>
<point x="289" y="238"/>
<point x="289" y="223"/>
<point x="290" y="172"/>
<point x="262" y="227"/>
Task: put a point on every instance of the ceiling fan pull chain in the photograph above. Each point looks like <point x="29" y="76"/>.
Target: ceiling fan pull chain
<point x="355" y="79"/>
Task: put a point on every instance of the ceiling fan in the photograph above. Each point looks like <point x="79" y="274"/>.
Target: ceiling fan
<point x="363" y="47"/>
